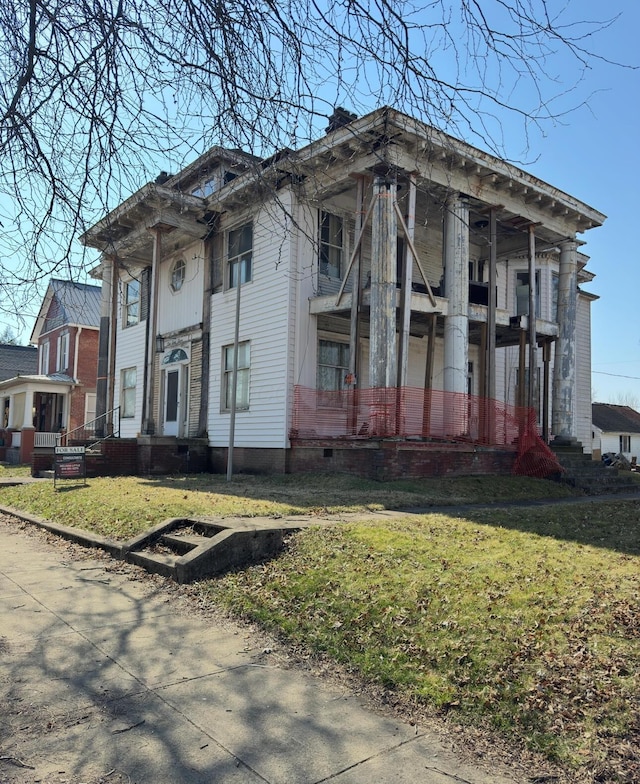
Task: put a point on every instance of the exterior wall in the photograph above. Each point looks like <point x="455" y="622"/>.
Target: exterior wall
<point x="86" y="363"/>
<point x="582" y="408"/>
<point x="393" y="460"/>
<point x="130" y="344"/>
<point x="264" y="322"/>
<point x="610" y="442"/>
<point x="180" y="309"/>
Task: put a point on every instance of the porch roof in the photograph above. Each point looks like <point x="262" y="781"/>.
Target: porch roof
<point x="56" y="382"/>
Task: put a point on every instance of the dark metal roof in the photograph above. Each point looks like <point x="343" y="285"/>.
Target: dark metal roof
<point x="615" y="419"/>
<point x="17" y="361"/>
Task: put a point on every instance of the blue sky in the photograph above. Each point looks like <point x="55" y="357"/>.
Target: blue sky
<point x="593" y="155"/>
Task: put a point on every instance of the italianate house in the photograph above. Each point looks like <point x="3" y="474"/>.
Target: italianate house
<point x="387" y="300"/>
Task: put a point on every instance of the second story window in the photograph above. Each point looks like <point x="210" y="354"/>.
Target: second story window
<point x="522" y="293"/>
<point x="331" y="238"/>
<point x="240" y="250"/>
<point x="62" y="361"/>
<point x="44" y="358"/>
<point x="131" y="303"/>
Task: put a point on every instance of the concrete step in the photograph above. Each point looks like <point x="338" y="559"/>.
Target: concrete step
<point x="177" y="550"/>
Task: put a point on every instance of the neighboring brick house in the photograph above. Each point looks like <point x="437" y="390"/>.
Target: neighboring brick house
<point x="60" y="393"/>
<point x="615" y="429"/>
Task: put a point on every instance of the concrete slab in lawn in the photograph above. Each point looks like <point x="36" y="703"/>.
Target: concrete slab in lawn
<point x="63" y="672"/>
<point x="22" y="615"/>
<point x="172" y="649"/>
<point x="139" y="737"/>
<point x="421" y="760"/>
<point x="286" y="726"/>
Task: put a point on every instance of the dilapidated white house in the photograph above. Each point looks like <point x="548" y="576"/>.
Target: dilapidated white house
<point x="369" y="294"/>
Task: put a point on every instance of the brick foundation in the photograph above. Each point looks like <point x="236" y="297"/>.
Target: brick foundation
<point x="250" y="461"/>
<point x="385" y="460"/>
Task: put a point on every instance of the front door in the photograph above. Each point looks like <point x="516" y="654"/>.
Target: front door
<point x="172" y="402"/>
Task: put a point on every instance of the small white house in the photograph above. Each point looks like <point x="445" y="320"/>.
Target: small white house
<point x="615" y="429"/>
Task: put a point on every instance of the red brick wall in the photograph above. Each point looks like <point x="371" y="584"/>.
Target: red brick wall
<point x="396" y="460"/>
<point x="87" y="357"/>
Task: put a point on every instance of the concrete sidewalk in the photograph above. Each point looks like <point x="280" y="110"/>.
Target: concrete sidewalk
<point x="102" y="681"/>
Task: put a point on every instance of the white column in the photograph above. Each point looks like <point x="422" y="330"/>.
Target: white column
<point x="382" y="339"/>
<point x="27" y="416"/>
<point x="564" y="368"/>
<point x="456" y="272"/>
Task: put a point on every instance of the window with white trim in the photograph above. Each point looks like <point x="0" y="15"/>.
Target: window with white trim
<point x="333" y="368"/>
<point x="331" y="245"/>
<point x="62" y="360"/>
<point x="244" y="369"/>
<point x="625" y="444"/>
<point x="128" y="392"/>
<point x="239" y="253"/>
<point x="131" y="302"/>
<point x="43" y="353"/>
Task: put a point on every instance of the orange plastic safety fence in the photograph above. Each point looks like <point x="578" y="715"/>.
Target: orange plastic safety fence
<point x="409" y="412"/>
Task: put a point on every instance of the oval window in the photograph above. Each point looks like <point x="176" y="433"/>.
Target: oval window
<point x="177" y="275"/>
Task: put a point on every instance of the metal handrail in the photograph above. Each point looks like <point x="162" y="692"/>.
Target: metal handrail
<point x="110" y="422"/>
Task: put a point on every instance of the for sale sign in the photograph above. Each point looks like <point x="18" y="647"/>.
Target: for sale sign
<point x="70" y="462"/>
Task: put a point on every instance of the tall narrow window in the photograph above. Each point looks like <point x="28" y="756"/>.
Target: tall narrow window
<point x="62" y="362"/>
<point x="331" y="244"/>
<point x="132" y="303"/>
<point x="240" y="250"/>
<point x="522" y="293"/>
<point x="44" y="358"/>
<point x="333" y="367"/>
<point x="625" y="444"/>
<point x="242" y="388"/>
<point x="128" y="392"/>
<point x="555" y="282"/>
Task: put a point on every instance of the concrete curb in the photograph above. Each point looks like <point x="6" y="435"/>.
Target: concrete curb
<point x="77" y="535"/>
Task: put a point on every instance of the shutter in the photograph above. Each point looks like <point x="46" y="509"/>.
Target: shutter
<point x="145" y="293"/>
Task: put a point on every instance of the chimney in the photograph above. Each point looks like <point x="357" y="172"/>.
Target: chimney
<point x="339" y="119"/>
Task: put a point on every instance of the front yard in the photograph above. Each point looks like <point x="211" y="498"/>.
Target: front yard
<point x="521" y="621"/>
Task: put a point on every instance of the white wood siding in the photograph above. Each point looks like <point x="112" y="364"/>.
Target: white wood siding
<point x="264" y="322"/>
<point x="130" y="343"/>
<point x="610" y="442"/>
<point x="582" y="408"/>
<point x="183" y="308"/>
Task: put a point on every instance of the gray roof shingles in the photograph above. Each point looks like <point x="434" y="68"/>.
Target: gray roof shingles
<point x="17" y="361"/>
<point x="615" y="419"/>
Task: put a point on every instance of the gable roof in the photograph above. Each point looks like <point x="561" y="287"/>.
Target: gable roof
<point x="77" y="303"/>
<point x="17" y="361"/>
<point x="615" y="419"/>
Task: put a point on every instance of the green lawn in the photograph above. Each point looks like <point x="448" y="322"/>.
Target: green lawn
<point x="523" y="620"/>
<point x="125" y="506"/>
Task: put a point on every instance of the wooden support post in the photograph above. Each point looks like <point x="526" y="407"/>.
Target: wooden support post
<point x="428" y="375"/>
<point x="546" y="361"/>
<point x="354" y="331"/>
<point x="484" y="401"/>
<point x="490" y="385"/>
<point x="533" y="342"/>
<point x="521" y="368"/>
